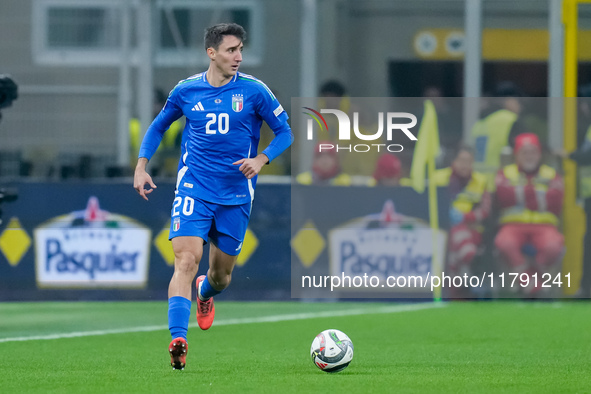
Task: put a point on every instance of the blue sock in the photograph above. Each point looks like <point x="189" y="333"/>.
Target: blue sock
<point x="179" y="311"/>
<point x="207" y="291"/>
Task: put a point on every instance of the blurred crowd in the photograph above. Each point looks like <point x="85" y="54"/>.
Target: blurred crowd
<point x="505" y="186"/>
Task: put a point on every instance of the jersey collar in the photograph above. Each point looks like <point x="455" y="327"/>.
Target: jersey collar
<point x="234" y="79"/>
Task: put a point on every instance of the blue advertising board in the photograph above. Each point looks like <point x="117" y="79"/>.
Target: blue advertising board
<point x="100" y="240"/>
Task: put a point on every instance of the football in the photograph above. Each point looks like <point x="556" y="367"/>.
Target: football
<point x="331" y="351"/>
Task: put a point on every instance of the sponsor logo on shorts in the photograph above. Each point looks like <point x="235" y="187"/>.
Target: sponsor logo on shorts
<point x="239" y="246"/>
<point x="187" y="184"/>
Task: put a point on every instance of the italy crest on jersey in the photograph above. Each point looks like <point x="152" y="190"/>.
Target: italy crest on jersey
<point x="237" y="102"/>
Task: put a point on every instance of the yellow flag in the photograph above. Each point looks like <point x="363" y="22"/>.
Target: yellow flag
<point x="426" y="148"/>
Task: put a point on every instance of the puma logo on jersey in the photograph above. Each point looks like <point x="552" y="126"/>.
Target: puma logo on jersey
<point x="198" y="107"/>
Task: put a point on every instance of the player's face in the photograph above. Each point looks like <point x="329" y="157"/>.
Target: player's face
<point x="228" y="56"/>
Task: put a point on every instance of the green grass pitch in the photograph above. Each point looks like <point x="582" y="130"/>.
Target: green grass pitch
<point x="461" y="347"/>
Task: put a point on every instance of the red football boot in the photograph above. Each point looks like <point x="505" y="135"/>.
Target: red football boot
<point x="205" y="309"/>
<point x="178" y="353"/>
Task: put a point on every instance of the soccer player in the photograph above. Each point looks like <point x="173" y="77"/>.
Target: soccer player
<point x="218" y="169"/>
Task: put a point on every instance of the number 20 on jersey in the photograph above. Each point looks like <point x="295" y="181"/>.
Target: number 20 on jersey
<point x="222" y="121"/>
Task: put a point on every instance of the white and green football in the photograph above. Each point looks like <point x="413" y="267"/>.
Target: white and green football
<point x="331" y="351"/>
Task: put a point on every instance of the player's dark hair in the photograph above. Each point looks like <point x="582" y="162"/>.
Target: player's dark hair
<point x="215" y="34"/>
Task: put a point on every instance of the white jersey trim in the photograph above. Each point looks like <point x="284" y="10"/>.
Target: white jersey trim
<point x="180" y="176"/>
<point x="250" y="188"/>
<point x="256" y="80"/>
<point x="183" y="170"/>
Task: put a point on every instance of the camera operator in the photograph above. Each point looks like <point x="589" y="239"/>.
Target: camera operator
<point x="8" y="91"/>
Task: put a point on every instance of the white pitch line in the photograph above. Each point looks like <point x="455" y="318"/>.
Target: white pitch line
<point x="229" y="322"/>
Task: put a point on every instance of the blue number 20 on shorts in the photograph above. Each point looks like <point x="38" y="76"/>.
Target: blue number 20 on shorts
<point x="224" y="225"/>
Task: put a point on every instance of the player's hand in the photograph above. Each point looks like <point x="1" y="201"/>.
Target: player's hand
<point x="251" y="167"/>
<point x="140" y="179"/>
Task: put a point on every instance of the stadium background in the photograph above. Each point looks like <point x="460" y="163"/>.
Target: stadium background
<point x="77" y="93"/>
<point x="85" y="68"/>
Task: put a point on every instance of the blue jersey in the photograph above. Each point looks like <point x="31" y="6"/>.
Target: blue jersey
<point x="222" y="126"/>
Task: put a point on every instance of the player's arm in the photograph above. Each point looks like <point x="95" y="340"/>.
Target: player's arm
<point x="141" y="178"/>
<point x="170" y="113"/>
<point x="273" y="113"/>
<point x="268" y="108"/>
<point x="282" y="141"/>
<point x="250" y="167"/>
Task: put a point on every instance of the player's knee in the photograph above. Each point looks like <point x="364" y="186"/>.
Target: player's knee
<point x="220" y="279"/>
<point x="186" y="263"/>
